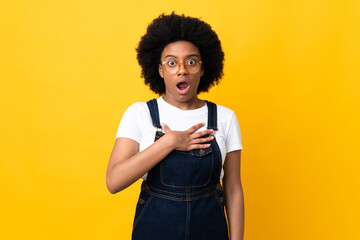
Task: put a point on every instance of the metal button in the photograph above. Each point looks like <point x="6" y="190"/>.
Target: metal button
<point x="221" y="199"/>
<point x="141" y="201"/>
<point x="219" y="187"/>
<point x="144" y="187"/>
<point x="202" y="151"/>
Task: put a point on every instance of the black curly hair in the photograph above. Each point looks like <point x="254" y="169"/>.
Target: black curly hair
<point x="171" y="28"/>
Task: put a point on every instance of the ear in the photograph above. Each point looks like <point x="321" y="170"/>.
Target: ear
<point x="202" y="71"/>
<point x="161" y="71"/>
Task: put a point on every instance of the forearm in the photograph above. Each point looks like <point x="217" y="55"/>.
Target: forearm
<point x="126" y="165"/>
<point x="129" y="170"/>
<point x="234" y="203"/>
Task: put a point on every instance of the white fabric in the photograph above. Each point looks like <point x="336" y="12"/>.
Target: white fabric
<point x="136" y="124"/>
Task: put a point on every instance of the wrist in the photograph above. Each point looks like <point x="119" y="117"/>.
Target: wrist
<point x="169" y="141"/>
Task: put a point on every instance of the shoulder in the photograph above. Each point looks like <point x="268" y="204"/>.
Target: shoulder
<point x="229" y="126"/>
<point x="135" y="112"/>
<point x="224" y="112"/>
<point x="226" y="117"/>
<point x="135" y="117"/>
<point x="138" y="107"/>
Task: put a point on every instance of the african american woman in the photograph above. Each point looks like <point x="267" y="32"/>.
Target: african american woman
<point x="186" y="150"/>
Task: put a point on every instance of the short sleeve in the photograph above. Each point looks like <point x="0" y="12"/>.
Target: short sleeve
<point x="130" y="126"/>
<point x="233" y="139"/>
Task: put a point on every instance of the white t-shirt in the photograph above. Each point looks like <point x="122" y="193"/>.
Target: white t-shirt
<point x="136" y="124"/>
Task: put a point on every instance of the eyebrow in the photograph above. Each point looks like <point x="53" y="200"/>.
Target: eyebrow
<point x="191" y="55"/>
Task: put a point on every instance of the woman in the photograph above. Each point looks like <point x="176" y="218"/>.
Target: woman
<point x="180" y="145"/>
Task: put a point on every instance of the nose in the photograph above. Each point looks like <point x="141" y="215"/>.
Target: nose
<point x="182" y="69"/>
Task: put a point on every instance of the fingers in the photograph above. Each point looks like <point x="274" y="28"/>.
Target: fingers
<point x="195" y="127"/>
<point x="203" y="140"/>
<point x="199" y="146"/>
<point x="165" y="128"/>
<point x="202" y="133"/>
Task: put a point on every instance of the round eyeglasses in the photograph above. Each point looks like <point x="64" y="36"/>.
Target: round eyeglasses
<point x="173" y="67"/>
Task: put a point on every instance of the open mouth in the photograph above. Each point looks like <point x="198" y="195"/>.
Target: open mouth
<point x="182" y="85"/>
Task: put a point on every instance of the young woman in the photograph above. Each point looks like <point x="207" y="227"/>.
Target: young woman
<point x="180" y="145"/>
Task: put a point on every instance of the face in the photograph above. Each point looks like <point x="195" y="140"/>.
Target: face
<point x="181" y="86"/>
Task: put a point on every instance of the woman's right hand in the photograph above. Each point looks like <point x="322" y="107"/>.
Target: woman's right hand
<point x="126" y="165"/>
<point x="188" y="139"/>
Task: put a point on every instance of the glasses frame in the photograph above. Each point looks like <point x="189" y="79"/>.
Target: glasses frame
<point x="200" y="62"/>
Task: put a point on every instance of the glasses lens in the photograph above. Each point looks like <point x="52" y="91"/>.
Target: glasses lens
<point x="191" y="65"/>
<point x="171" y="67"/>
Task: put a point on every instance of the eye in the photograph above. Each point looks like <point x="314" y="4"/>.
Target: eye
<point x="171" y="63"/>
<point x="191" y="62"/>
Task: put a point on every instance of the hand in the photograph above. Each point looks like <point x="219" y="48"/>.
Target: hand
<point x="188" y="140"/>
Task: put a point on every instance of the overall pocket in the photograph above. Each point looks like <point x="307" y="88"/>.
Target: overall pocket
<point x="187" y="169"/>
<point x="142" y="204"/>
<point x="219" y="195"/>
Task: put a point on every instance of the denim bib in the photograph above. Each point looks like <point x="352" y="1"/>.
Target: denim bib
<point x="182" y="197"/>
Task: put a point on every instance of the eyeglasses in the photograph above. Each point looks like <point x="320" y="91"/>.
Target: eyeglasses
<point x="173" y="67"/>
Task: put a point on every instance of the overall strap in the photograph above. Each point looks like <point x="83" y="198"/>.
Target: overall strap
<point x="154" y="112"/>
<point x="212" y="115"/>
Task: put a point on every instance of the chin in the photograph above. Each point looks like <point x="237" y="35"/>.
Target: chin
<point x="183" y="98"/>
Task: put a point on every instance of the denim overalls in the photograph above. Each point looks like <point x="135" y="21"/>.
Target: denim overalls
<point x="182" y="197"/>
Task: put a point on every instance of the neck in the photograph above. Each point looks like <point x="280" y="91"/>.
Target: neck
<point x="189" y="104"/>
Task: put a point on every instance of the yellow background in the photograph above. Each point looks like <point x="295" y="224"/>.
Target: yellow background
<point x="68" y="71"/>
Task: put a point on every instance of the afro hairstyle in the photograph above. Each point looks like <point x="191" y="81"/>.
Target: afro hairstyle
<point x="166" y="29"/>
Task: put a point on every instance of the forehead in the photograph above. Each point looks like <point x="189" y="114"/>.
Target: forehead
<point x="180" y="49"/>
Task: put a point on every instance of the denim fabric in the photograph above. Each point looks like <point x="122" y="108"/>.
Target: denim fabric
<point x="182" y="197"/>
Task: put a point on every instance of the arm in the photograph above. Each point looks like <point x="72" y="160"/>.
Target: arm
<point x="126" y="165"/>
<point x="233" y="195"/>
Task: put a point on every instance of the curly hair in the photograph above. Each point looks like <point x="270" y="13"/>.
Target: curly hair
<point x="171" y="28"/>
